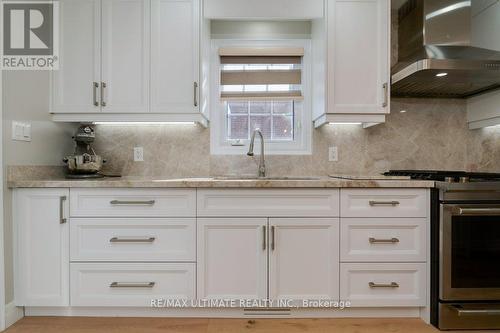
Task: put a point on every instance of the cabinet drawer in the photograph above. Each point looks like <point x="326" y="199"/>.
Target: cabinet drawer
<point x="146" y="239"/>
<point x="371" y="284"/>
<point x="384" y="203"/>
<point x="133" y="202"/>
<point x="127" y="284"/>
<point x="269" y="202"/>
<point x="376" y="239"/>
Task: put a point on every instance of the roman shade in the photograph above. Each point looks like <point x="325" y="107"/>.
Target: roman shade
<point x="268" y="73"/>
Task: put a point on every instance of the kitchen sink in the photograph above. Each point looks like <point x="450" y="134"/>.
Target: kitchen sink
<point x="263" y="178"/>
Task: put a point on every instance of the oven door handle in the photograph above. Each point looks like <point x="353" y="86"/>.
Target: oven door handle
<point x="475" y="211"/>
<point x="476" y="312"/>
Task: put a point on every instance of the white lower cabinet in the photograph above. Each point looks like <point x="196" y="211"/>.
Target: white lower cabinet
<point x="232" y="258"/>
<point x="133" y="239"/>
<point x="126" y="247"/>
<point x="383" y="284"/>
<point x="130" y="284"/>
<point x="41" y="247"/>
<point x="383" y="239"/>
<point x="304" y="258"/>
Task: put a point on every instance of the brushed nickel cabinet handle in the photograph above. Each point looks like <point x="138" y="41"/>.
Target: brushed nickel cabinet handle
<point x="195" y="85"/>
<point x="264" y="240"/>
<point x="476" y="211"/>
<point x="273" y="241"/>
<point x="385" y="87"/>
<point x="383" y="241"/>
<point x="95" y="85"/>
<point x="132" y="284"/>
<point x="132" y="240"/>
<point x="62" y="219"/>
<point x="384" y="203"/>
<point x="103" y="87"/>
<point x="382" y="285"/>
<point x="132" y="203"/>
<point x="477" y="312"/>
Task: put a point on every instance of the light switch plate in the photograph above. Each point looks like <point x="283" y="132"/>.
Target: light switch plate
<point x="21" y="131"/>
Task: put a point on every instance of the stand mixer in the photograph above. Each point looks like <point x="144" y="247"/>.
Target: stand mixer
<point x="84" y="163"/>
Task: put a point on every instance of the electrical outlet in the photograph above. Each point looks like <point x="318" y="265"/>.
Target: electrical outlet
<point x="333" y="154"/>
<point x="138" y="154"/>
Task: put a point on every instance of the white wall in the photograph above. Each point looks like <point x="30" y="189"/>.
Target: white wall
<point x="26" y="98"/>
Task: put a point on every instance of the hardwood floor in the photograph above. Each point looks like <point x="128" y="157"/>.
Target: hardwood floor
<point x="192" y="325"/>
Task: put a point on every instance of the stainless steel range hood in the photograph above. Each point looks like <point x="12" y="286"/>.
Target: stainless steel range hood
<point x="447" y="48"/>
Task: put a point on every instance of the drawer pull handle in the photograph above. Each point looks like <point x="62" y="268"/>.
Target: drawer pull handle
<point x="264" y="237"/>
<point x="62" y="219"/>
<point x="384" y="203"/>
<point x="132" y="240"/>
<point x="383" y="241"/>
<point x="381" y="285"/>
<point x="132" y="284"/>
<point x="273" y="236"/>
<point x="131" y="203"/>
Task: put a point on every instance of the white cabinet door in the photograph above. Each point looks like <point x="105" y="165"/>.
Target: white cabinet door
<point x="175" y="56"/>
<point x="232" y="258"/>
<point x="358" y="56"/>
<point x="73" y="85"/>
<point x="304" y="258"/>
<point x="41" y="247"/>
<point x="125" y="55"/>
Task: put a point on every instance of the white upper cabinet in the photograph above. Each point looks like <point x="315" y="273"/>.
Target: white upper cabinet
<point x="41" y="252"/>
<point x="75" y="85"/>
<point x="484" y="110"/>
<point x="263" y="9"/>
<point x="357" y="61"/>
<point x="128" y="60"/>
<point x="175" y="56"/>
<point x="125" y="55"/>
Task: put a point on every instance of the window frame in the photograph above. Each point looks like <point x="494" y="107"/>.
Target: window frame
<point x="301" y="145"/>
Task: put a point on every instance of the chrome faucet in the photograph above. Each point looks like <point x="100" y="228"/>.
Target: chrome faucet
<point x="262" y="163"/>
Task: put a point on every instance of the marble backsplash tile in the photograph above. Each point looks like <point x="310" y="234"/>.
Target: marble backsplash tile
<point x="431" y="134"/>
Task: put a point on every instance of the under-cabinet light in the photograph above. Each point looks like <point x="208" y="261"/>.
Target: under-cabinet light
<point x="334" y="123"/>
<point x="441" y="74"/>
<point x="148" y="123"/>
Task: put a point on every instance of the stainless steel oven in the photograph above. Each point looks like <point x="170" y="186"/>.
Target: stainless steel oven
<point x="469" y="256"/>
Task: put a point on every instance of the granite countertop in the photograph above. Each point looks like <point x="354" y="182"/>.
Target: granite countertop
<point x="222" y="182"/>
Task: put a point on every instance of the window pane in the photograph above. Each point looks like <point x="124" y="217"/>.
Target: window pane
<point x="283" y="127"/>
<point x="233" y="88"/>
<point x="260" y="107"/>
<point x="277" y="67"/>
<point x="285" y="107"/>
<point x="237" y="107"/>
<point x="255" y="67"/>
<point x="255" y="87"/>
<point x="279" y="87"/>
<point x="238" y="127"/>
<point x="263" y="123"/>
<point x="233" y="67"/>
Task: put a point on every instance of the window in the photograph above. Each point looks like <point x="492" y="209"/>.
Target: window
<point x="274" y="118"/>
<point x="262" y="88"/>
